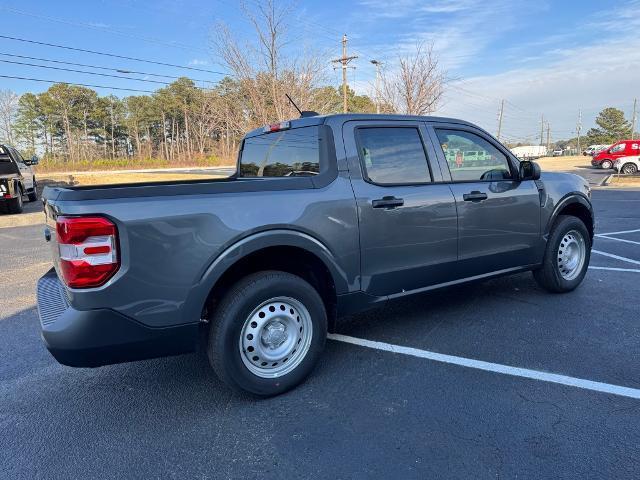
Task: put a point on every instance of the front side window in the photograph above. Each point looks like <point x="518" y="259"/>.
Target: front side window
<point x="470" y="157"/>
<point x="393" y="155"/>
<point x="289" y="153"/>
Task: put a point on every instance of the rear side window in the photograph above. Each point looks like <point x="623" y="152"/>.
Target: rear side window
<point x="470" y="157"/>
<point x="393" y="155"/>
<point x="4" y="154"/>
<point x="289" y="153"/>
<point x="618" y="148"/>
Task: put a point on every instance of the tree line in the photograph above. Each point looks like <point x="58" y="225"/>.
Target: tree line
<point x="181" y="120"/>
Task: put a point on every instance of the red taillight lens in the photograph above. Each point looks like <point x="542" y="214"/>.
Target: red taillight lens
<point x="88" y="249"/>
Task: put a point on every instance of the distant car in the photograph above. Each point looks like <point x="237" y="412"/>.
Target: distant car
<point x="628" y="165"/>
<point x="558" y="153"/>
<point x="594" y="149"/>
<point x="624" y="148"/>
<point x="16" y="179"/>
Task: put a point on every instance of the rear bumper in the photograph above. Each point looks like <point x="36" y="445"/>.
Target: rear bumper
<point x="99" y="337"/>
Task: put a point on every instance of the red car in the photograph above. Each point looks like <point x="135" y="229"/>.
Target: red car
<point x="624" y="148"/>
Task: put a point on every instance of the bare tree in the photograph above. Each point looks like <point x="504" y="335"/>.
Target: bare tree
<point x="266" y="69"/>
<point x="8" y="110"/>
<point x="417" y="85"/>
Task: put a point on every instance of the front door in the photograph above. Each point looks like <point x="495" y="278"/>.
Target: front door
<point x="498" y="215"/>
<point x="408" y="224"/>
<point x="25" y="171"/>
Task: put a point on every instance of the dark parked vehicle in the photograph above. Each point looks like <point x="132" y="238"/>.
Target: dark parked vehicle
<point x="326" y="216"/>
<point x="16" y="179"/>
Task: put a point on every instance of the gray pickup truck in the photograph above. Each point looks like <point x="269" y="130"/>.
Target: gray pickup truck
<point x="325" y="216"/>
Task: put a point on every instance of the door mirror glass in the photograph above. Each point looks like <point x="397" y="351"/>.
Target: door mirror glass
<point x="34" y="160"/>
<point x="529" y="170"/>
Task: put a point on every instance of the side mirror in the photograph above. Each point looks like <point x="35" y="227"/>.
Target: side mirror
<point x="529" y="171"/>
<point x="33" y="161"/>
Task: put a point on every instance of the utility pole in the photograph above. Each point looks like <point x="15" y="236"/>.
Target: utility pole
<point x="377" y="65"/>
<point x="548" y="137"/>
<point x="500" y="113"/>
<point x="542" y="130"/>
<point x="579" y="130"/>
<point x="633" y="119"/>
<point x="344" y="61"/>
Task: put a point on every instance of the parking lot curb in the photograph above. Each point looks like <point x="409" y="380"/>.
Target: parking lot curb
<point x="606" y="180"/>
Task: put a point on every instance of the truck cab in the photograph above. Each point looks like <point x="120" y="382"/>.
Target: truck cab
<point x="16" y="179"/>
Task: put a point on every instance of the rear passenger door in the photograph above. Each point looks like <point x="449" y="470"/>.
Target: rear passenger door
<point x="408" y="224"/>
<point x="498" y="215"/>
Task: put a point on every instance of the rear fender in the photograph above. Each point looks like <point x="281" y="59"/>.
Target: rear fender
<point x="253" y="243"/>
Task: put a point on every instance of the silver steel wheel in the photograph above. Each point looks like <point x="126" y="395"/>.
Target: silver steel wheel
<point x="629" y="169"/>
<point x="275" y="337"/>
<point x="571" y="254"/>
<point x="606" y="165"/>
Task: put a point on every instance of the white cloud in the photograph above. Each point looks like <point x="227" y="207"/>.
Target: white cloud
<point x="588" y="78"/>
<point x="198" y="62"/>
<point x="554" y="75"/>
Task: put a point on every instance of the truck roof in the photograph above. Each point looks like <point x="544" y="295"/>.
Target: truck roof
<point x="344" y="117"/>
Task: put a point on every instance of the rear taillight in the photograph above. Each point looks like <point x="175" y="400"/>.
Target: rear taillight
<point x="88" y="249"/>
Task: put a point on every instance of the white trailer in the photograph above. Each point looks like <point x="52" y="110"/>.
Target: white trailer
<point x="529" y="152"/>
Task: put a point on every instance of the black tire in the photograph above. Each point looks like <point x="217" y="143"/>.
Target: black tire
<point x="629" y="169"/>
<point x="227" y="325"/>
<point x="16" y="205"/>
<point x="549" y="276"/>
<point x="33" y="195"/>
<point x="606" y="164"/>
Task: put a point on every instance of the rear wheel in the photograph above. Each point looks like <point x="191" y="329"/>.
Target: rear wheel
<point x="268" y="333"/>
<point x="630" y="168"/>
<point x="606" y="164"/>
<point x="566" y="257"/>
<point x="15" y="205"/>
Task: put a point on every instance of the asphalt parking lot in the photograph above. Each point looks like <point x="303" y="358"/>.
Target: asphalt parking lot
<point x="365" y="412"/>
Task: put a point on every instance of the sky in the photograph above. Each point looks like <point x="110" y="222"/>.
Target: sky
<point x="543" y="58"/>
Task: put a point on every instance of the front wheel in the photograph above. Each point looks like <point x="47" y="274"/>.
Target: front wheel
<point x="606" y="164"/>
<point x="566" y="257"/>
<point x="33" y="195"/>
<point x="268" y="333"/>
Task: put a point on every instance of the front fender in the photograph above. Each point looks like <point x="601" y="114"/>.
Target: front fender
<point x="253" y="243"/>
<point x="569" y="199"/>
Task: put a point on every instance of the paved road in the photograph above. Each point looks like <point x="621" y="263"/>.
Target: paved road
<point x="364" y="413"/>
<point x="595" y="176"/>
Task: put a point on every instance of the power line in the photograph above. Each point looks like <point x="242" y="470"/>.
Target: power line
<point x="94" y="52"/>
<point x="120" y="70"/>
<point x="76" y="84"/>
<point x="84" y="72"/>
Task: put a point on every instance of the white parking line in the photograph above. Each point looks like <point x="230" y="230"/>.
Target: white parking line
<point x="618" y="239"/>
<point x="615" y="269"/>
<point x="619" y="233"/>
<point x="617" y="257"/>
<point x="492" y="367"/>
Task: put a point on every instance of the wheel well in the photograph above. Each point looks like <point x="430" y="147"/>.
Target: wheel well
<point x="294" y="260"/>
<point x="582" y="212"/>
